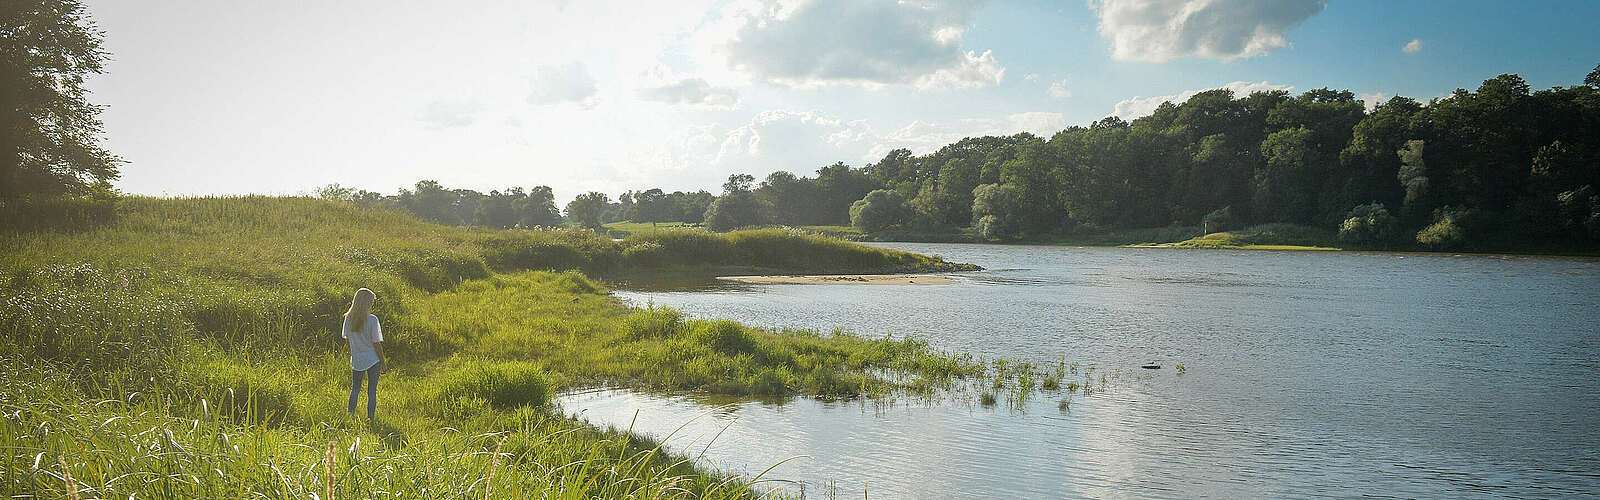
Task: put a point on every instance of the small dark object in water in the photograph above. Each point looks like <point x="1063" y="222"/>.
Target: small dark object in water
<point x="1151" y="366"/>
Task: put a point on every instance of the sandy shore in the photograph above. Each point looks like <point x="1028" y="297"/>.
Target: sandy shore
<point x="833" y="279"/>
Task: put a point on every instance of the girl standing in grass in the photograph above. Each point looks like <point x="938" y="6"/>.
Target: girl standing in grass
<point x="366" y="349"/>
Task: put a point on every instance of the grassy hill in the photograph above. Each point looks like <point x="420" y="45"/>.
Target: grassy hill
<point x="189" y="348"/>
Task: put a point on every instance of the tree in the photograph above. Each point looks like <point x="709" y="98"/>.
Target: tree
<point x="538" y="208"/>
<point x="430" y="202"/>
<point x="793" y="199"/>
<point x="737" y="207"/>
<point x="996" y="211"/>
<point x="1413" y="176"/>
<point x="1282" y="186"/>
<point x="878" y="210"/>
<point x="588" y="209"/>
<point x="652" y="206"/>
<point x="1593" y="80"/>
<point x="49" y="132"/>
<point x="498" y="209"/>
<point x="691" y="207"/>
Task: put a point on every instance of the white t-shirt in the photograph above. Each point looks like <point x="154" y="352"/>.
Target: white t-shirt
<point x="362" y="355"/>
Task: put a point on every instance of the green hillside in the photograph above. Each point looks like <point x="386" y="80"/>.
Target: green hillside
<point x="189" y="348"/>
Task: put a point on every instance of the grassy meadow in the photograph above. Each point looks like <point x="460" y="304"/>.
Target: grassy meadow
<point x="189" y="348"/>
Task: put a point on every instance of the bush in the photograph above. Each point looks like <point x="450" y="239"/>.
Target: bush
<point x="1447" y="230"/>
<point x="1369" y="224"/>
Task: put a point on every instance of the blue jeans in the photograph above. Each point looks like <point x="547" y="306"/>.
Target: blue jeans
<point x="371" y="374"/>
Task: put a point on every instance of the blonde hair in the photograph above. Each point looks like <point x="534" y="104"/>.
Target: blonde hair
<point x="360" y="307"/>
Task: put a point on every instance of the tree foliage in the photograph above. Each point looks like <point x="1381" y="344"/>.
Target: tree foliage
<point x="878" y="210"/>
<point x="737" y="207"/>
<point x="49" y="131"/>
<point x="588" y="209"/>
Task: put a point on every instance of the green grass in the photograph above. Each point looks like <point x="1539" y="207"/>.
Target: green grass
<point x="767" y="251"/>
<point x="189" y="348"/>
<point x="1266" y="237"/>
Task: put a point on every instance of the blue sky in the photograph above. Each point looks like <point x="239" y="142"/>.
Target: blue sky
<point x="233" y="97"/>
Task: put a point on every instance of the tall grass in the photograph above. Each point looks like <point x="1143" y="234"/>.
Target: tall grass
<point x="189" y="348"/>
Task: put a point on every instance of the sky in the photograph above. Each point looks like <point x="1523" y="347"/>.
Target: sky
<point x="225" y="97"/>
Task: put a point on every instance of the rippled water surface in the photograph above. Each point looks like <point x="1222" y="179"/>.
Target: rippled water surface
<point x="1308" y="374"/>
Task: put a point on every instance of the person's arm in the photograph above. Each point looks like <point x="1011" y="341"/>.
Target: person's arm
<point x="383" y="362"/>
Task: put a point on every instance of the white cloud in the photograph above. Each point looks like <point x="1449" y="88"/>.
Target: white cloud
<point x="691" y="92"/>
<point x="1032" y="77"/>
<point x="449" y="113"/>
<point x="872" y="43"/>
<point x="1136" y="106"/>
<point x="1413" y="46"/>
<point x="922" y="137"/>
<point x="803" y="141"/>
<point x="563" y="83"/>
<point x="1160" y="30"/>
<point x="1059" y="90"/>
<point x="1372" y="100"/>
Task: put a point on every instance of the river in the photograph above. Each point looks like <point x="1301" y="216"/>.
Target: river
<point x="1306" y="374"/>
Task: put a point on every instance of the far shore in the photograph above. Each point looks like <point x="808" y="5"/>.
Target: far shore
<point x="838" y="279"/>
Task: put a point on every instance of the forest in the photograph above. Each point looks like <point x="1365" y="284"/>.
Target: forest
<point x="1499" y="167"/>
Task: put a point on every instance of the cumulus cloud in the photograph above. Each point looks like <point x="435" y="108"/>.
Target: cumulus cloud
<point x="1160" y="30"/>
<point x="563" y="83"/>
<point x="1032" y="77"/>
<point x="691" y="92"/>
<point x="1059" y="90"/>
<point x="1136" y="106"/>
<point x="1413" y="46"/>
<point x="862" y="42"/>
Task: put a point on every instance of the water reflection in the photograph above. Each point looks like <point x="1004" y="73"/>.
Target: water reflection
<point x="1310" y="374"/>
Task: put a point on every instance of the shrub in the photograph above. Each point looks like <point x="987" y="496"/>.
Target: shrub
<point x="1447" y="230"/>
<point x="1369" y="224"/>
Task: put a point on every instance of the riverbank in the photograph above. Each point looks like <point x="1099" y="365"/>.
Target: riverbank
<point x="224" y="313"/>
<point x="841" y="279"/>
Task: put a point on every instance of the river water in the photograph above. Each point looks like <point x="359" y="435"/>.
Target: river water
<point x="1307" y="374"/>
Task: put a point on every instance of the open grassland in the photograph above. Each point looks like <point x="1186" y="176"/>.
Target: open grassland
<point x="189" y="348"/>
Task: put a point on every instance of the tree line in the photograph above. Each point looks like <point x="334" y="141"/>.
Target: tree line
<point x="1501" y="162"/>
